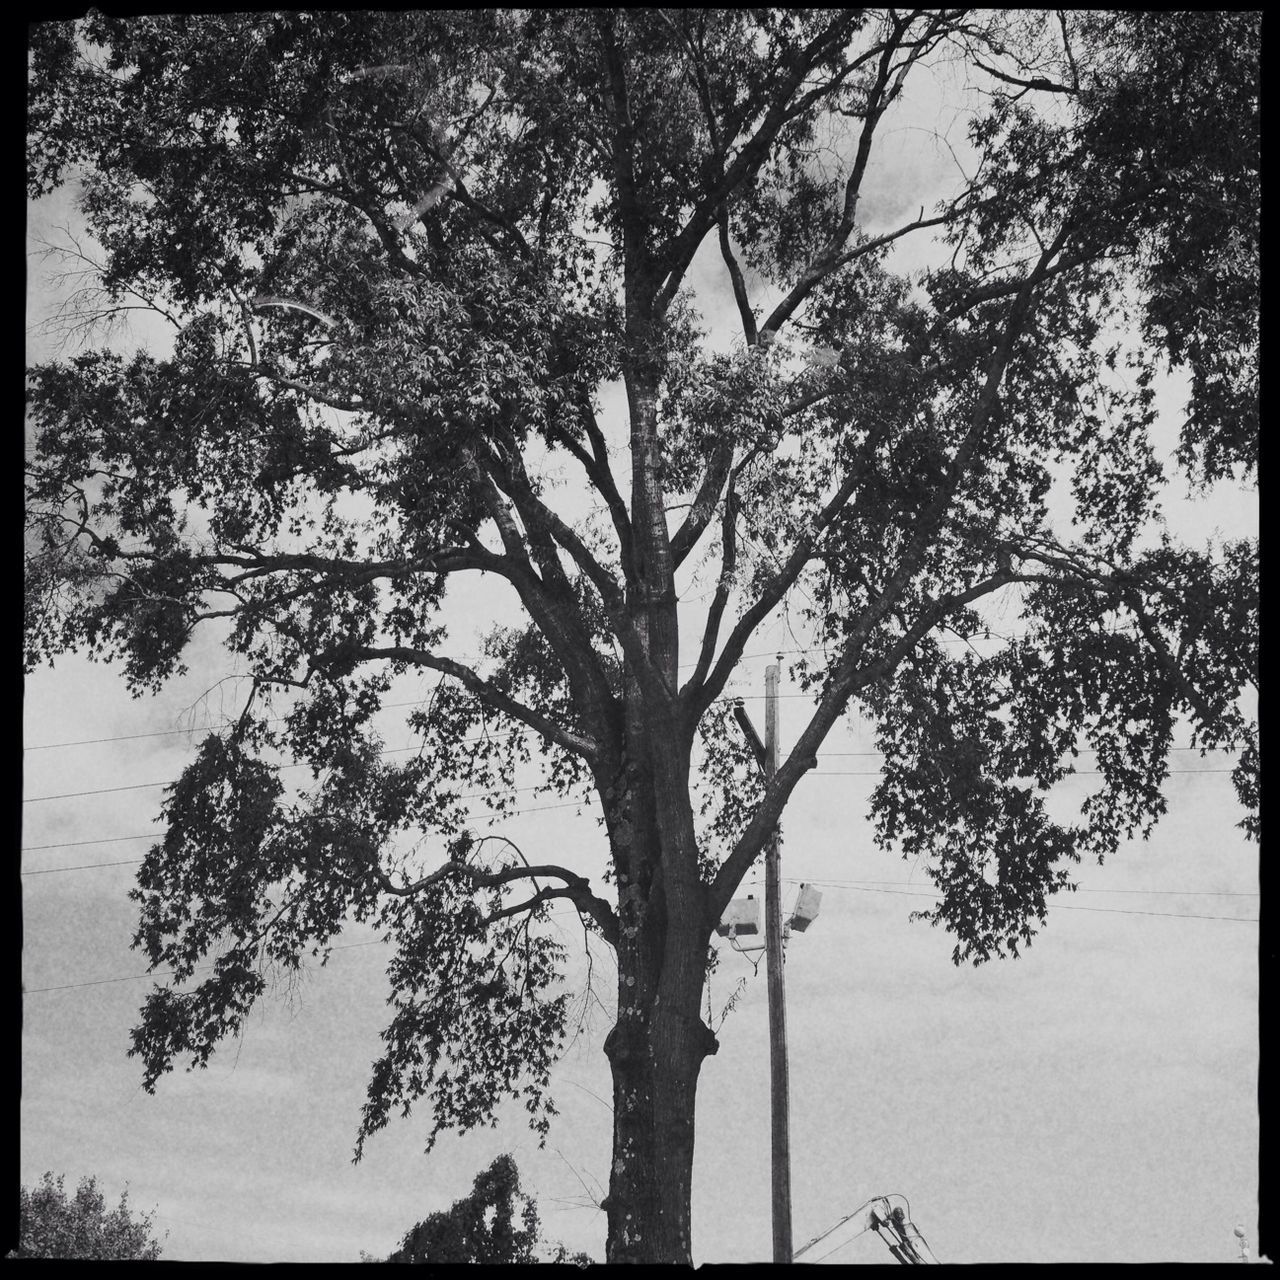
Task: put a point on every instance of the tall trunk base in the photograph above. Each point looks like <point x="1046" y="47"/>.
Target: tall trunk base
<point x="655" y="1076"/>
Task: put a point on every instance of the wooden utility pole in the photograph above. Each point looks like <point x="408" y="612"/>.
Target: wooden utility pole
<point x="779" y="1084"/>
<point x="768" y="756"/>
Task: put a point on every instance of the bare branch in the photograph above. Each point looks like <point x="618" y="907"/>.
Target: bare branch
<point x="739" y="284"/>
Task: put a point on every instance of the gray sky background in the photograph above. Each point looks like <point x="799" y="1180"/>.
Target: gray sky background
<point x="1095" y="1100"/>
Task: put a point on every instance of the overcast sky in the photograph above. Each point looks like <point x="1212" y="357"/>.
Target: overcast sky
<point x="1094" y="1100"/>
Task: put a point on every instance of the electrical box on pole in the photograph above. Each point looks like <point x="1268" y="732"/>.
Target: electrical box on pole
<point x="741" y="917"/>
<point x="805" y="912"/>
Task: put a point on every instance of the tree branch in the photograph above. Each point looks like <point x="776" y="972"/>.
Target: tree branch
<point x="676" y="255"/>
<point x="686" y="536"/>
<point x="724" y="585"/>
<point x="576" y="889"/>
<point x="1036" y="82"/>
<point x="602" y="477"/>
<point x="927" y="523"/>
<point x="886" y="88"/>
<point x="739" y="284"/>
<point x="489" y="694"/>
<point x="841" y="686"/>
<point x="701" y="697"/>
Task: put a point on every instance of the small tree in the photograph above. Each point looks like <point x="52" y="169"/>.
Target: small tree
<point x="53" y="1224"/>
<point x="497" y="1222"/>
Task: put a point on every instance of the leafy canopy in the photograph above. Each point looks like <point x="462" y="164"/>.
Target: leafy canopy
<point x="405" y="255"/>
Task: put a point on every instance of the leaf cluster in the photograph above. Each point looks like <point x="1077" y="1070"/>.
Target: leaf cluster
<point x="53" y="1223"/>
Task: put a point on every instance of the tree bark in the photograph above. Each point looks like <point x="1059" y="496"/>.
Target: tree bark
<point x="655" y="1050"/>
<point x="655" y="1063"/>
<point x="658" y="1044"/>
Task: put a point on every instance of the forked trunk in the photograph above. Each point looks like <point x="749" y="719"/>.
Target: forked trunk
<point x="658" y="1044"/>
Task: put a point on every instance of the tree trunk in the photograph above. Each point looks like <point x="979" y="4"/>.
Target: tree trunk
<point x="655" y="1053"/>
<point x="657" y="1047"/>
<point x="658" y="1044"/>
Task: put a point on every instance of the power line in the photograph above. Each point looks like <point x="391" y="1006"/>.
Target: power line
<point x="76" y="844"/>
<point x="84" y="866"/>
<point x="1082" y="750"/>
<point x="386" y="706"/>
<point x="1183" y="893"/>
<point x="1053" y="906"/>
<point x="166" y="733"/>
<point x="1075" y="773"/>
<point x="130" y="862"/>
<point x="834" y="884"/>
<point x="843" y="1245"/>
<point x="819" y="773"/>
<point x="142" y="786"/>
<point x="862" y="887"/>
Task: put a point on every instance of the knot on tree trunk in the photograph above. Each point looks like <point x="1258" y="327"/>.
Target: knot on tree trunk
<point x="622" y="1046"/>
<point x="710" y="1044"/>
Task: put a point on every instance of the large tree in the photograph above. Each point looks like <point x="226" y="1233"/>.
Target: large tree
<point x="405" y="255"/>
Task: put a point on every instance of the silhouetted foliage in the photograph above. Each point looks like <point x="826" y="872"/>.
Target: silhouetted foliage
<point x="54" y="1224"/>
<point x="497" y="1222"/>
